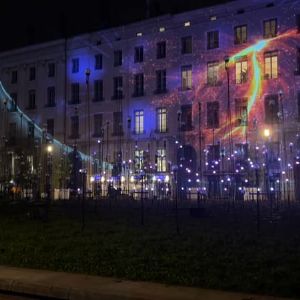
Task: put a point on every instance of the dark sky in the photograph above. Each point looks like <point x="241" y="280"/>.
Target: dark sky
<point x="31" y="21"/>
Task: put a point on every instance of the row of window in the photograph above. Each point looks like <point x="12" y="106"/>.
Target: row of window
<point x="32" y="73"/>
<point x="241" y="76"/>
<point x="240" y="37"/>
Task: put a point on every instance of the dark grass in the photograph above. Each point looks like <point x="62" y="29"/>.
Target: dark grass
<point x="222" y="251"/>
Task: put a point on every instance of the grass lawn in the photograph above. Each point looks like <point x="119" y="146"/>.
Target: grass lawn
<point x="222" y="251"/>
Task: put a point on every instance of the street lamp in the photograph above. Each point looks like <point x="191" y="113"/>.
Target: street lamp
<point x="267" y="135"/>
<point x="49" y="150"/>
<point x="227" y="61"/>
<point x="87" y="81"/>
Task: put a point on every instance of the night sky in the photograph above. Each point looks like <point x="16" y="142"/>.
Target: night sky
<point x="29" y="22"/>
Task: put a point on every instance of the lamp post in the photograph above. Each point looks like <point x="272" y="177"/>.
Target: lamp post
<point x="100" y="166"/>
<point x="267" y="136"/>
<point x="87" y="81"/>
<point x="49" y="150"/>
<point x="226" y="61"/>
<point x="284" y="150"/>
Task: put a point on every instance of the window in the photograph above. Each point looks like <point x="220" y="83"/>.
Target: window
<point x="161" y="160"/>
<point x="14" y="97"/>
<point x="98" y="90"/>
<point x="98" y="61"/>
<point x="51" y="69"/>
<point x="212" y="73"/>
<point x="118" y="88"/>
<point x="75" y="65"/>
<point x="297" y="71"/>
<point x="186" y="45"/>
<point x="75" y="93"/>
<point x="161" y="114"/>
<point x="118" y="58"/>
<point x="213" y="114"/>
<point x="160" y="81"/>
<point x="138" y="85"/>
<point x="298" y="22"/>
<point x="98" y="122"/>
<point x="213" y="39"/>
<point x="270" y="28"/>
<point x="271" y="109"/>
<point x="186" y="121"/>
<point x="117" y="123"/>
<point x="298" y="102"/>
<point x="32" y="73"/>
<point x="241" y="111"/>
<point x="14" y="76"/>
<point x="138" y="54"/>
<point x="139" y="122"/>
<point x="50" y="126"/>
<point x="271" y="65"/>
<point x="74" y="127"/>
<point x="186" y="78"/>
<point x="31" y="100"/>
<point x="138" y="160"/>
<point x="30" y="129"/>
<point x="241" y="71"/>
<point x="240" y="34"/>
<point x="50" y="96"/>
<point x="161" y="50"/>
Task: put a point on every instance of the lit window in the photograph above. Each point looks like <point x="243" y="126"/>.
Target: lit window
<point x="212" y="73"/>
<point x="161" y="120"/>
<point x="161" y="160"/>
<point x="240" y="34"/>
<point x="271" y="65"/>
<point x="187" y="24"/>
<point x="270" y="28"/>
<point x="138" y="160"/>
<point x="186" y="78"/>
<point x="241" y="71"/>
<point x="162" y="29"/>
<point x="213" y="18"/>
<point x="139" y="34"/>
<point x="139" y="121"/>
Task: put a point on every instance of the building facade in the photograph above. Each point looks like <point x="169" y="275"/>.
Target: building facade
<point x="197" y="100"/>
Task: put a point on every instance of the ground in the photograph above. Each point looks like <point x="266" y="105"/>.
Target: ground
<point x="220" y="247"/>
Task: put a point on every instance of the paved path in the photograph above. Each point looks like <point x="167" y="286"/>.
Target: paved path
<point x="61" y="285"/>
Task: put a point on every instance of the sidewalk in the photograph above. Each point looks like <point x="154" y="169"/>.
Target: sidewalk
<point x="61" y="285"/>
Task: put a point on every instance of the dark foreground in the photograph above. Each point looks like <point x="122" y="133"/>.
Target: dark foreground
<point x="219" y="246"/>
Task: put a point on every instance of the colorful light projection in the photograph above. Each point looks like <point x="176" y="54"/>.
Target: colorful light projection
<point x="257" y="82"/>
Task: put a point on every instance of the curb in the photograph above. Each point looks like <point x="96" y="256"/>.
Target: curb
<point x="67" y="286"/>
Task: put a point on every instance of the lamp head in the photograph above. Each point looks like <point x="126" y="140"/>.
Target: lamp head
<point x="226" y="60"/>
<point x="49" y="148"/>
<point x="267" y="132"/>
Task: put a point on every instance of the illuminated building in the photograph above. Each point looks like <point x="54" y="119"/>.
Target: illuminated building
<point x="163" y="97"/>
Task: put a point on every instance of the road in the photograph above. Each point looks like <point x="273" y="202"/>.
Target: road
<point x="11" y="297"/>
